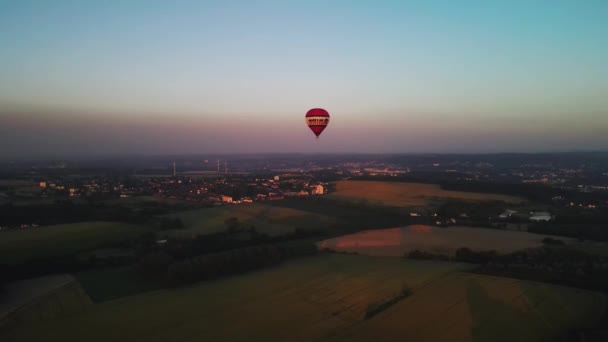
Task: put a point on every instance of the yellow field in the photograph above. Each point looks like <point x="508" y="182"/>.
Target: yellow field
<point x="398" y="241"/>
<point x="468" y="307"/>
<point x="409" y="194"/>
<point x="266" y="219"/>
<point x="325" y="298"/>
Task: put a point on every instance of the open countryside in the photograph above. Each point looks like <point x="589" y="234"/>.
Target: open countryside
<point x="436" y="240"/>
<point x="271" y="220"/>
<point x="326" y="297"/>
<point x="41" y="299"/>
<point x="25" y="245"/>
<point x="409" y="194"/>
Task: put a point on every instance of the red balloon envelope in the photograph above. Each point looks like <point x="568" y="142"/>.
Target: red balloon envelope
<point x="317" y="119"/>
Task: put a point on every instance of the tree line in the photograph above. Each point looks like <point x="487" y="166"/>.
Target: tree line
<point x="236" y="261"/>
<point x="551" y="263"/>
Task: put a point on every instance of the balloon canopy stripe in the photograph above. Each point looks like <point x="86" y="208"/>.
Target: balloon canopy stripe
<point x="317" y="119"/>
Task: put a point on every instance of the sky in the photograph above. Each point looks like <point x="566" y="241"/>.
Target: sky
<point x="155" y="77"/>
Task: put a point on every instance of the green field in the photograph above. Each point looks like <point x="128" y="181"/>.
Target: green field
<point x="41" y="299"/>
<point x="138" y="201"/>
<point x="16" y="183"/>
<point x="436" y="240"/>
<point x="111" y="283"/>
<point x="22" y="245"/>
<point x="326" y="297"/>
<point x="266" y="219"/>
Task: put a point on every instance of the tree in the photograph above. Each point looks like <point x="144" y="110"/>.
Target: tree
<point x="155" y="264"/>
<point x="232" y="224"/>
<point x="167" y="223"/>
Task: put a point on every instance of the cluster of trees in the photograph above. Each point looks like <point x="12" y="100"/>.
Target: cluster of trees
<point x="69" y="212"/>
<point x="236" y="261"/>
<point x="352" y="215"/>
<point x="462" y="254"/>
<point x="3" y="277"/>
<point x="234" y="238"/>
<point x="167" y="223"/>
<point x="578" y="215"/>
<point x="531" y="191"/>
<point x="580" y="231"/>
<point x="552" y="241"/>
<point x="152" y="258"/>
<point x="552" y="264"/>
<point x="375" y="308"/>
<point x="476" y="211"/>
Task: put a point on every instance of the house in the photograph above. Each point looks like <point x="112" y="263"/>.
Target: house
<point x="507" y="214"/>
<point x="317" y="190"/>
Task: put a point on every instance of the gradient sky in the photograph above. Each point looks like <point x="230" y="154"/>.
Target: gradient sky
<point x="90" y="77"/>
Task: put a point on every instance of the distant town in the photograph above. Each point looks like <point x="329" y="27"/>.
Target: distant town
<point x="574" y="180"/>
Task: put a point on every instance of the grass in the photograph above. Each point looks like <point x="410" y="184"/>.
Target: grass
<point x="111" y="283"/>
<point x="138" y="201"/>
<point x="22" y="245"/>
<point x="269" y="220"/>
<point x="326" y="297"/>
<point x="408" y="194"/>
<point x="41" y="299"/>
<point x="398" y="241"/>
<point x="308" y="298"/>
<point x="16" y="183"/>
<point x="467" y="307"/>
<point x="592" y="247"/>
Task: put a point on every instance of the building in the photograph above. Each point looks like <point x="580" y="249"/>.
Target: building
<point x="226" y="199"/>
<point x="507" y="214"/>
<point x="317" y="190"/>
<point x="541" y="216"/>
<point x="43" y="184"/>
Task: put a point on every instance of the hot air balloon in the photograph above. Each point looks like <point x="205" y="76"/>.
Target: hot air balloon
<point x="317" y="119"/>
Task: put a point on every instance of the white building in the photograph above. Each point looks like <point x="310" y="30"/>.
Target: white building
<point x="507" y="214"/>
<point x="541" y="216"/>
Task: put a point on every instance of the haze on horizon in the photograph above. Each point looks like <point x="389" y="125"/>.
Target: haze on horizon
<point x="79" y="77"/>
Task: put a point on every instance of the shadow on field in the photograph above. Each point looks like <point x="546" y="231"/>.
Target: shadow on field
<point x="496" y="320"/>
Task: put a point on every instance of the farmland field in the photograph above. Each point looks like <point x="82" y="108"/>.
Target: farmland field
<point x="111" y="283"/>
<point x="32" y="300"/>
<point x="15" y="183"/>
<point x="409" y="194"/>
<point x="467" y="307"/>
<point x="136" y="201"/>
<point x="326" y="297"/>
<point x="266" y="219"/>
<point x="23" y="245"/>
<point x="398" y="241"/>
<point x="310" y="297"/>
